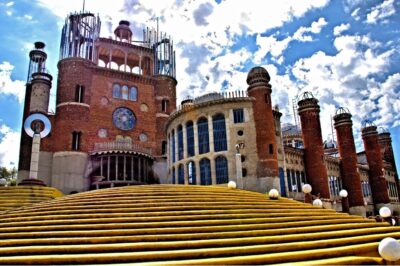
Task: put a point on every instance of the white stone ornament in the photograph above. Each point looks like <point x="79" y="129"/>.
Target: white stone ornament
<point x="307" y="188"/>
<point x="343" y="193"/>
<point x="385" y="212"/>
<point x="232" y="184"/>
<point x="273" y="194"/>
<point x="317" y="203"/>
<point x="389" y="249"/>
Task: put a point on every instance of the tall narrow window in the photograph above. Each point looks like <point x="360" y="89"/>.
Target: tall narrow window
<point x="191" y="169"/>
<point x="205" y="172"/>
<point x="79" y="93"/>
<point x="202" y="127"/>
<point x="289" y="179"/>
<point x="181" y="175"/>
<point x="164" y="148"/>
<point x="238" y="116"/>
<point x="173" y="175"/>
<point x="180" y="142"/>
<point x="299" y="183"/>
<point x="173" y="146"/>
<point x="164" y="106"/>
<point x="271" y="149"/>
<point x="117" y="91"/>
<point x="125" y="92"/>
<point x="133" y="94"/>
<point x="190" y="138"/>
<point x="76" y="141"/>
<point x="221" y="170"/>
<point x="219" y="131"/>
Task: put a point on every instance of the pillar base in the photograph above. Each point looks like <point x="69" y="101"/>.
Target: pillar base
<point x="32" y="182"/>
<point x="358" y="210"/>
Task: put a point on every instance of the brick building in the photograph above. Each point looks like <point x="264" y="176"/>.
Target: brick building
<point x="116" y="123"/>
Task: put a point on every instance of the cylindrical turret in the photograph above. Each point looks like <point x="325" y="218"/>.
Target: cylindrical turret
<point x="373" y="153"/>
<point x="314" y="150"/>
<point x="347" y="149"/>
<point x="40" y="94"/>
<point x="259" y="88"/>
<point x="385" y="142"/>
<point x="123" y="32"/>
<point x="37" y="60"/>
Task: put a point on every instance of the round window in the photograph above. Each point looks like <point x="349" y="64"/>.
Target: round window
<point x="124" y="118"/>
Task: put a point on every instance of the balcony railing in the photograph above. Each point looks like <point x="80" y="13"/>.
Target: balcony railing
<point x="120" y="145"/>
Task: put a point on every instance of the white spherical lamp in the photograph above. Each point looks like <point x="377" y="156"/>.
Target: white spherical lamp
<point x="385" y="212"/>
<point x="317" y="203"/>
<point x="273" y="194"/>
<point x="343" y="193"/>
<point x="232" y="184"/>
<point x="393" y="222"/>
<point x="389" y="249"/>
<point x="307" y="188"/>
<point x="3" y="182"/>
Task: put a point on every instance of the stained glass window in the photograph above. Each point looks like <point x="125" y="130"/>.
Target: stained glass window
<point x="133" y="94"/>
<point x="180" y="142"/>
<point x="124" y="118"/>
<point x="190" y="138"/>
<point x="181" y="175"/>
<point x="117" y="91"/>
<point x="191" y="169"/>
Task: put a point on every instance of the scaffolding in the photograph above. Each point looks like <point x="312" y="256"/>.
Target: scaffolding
<point x="37" y="60"/>
<point x="78" y="36"/>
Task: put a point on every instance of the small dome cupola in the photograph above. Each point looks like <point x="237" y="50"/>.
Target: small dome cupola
<point x="258" y="75"/>
<point x="123" y="32"/>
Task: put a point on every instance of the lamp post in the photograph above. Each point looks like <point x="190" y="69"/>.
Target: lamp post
<point x="238" y="158"/>
<point x="345" y="200"/>
<point x="307" y="193"/>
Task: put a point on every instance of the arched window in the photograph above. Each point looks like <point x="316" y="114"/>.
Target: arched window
<point x="191" y="169"/>
<point x="221" y="170"/>
<point x="117" y="91"/>
<point x="205" y="172"/>
<point x="190" y="138"/>
<point x="219" y="131"/>
<point x="202" y="128"/>
<point x="181" y="175"/>
<point x="294" y="183"/>
<point x="125" y="92"/>
<point x="173" y="175"/>
<point x="180" y="142"/>
<point x="133" y="94"/>
<point x="173" y="146"/>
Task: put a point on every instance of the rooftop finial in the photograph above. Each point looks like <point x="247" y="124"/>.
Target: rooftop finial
<point x="83" y="8"/>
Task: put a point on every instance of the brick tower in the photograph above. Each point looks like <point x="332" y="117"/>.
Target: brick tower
<point x="350" y="176"/>
<point x="385" y="141"/>
<point x="373" y="153"/>
<point x="259" y="88"/>
<point x="313" y="145"/>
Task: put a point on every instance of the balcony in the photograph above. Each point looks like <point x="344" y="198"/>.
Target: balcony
<point x="121" y="146"/>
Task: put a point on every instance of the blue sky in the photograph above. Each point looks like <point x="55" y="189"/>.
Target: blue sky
<point x="344" y="51"/>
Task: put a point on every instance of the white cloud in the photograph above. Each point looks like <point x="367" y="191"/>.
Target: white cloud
<point x="302" y="34"/>
<point x="8" y="86"/>
<point x="10" y="4"/>
<point x="9" y="146"/>
<point x="341" y="28"/>
<point x="381" y="11"/>
<point x="356" y="14"/>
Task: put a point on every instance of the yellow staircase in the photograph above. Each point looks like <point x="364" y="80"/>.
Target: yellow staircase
<point x="171" y="224"/>
<point x="18" y="196"/>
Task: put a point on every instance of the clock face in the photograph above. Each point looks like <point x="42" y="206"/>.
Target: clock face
<point x="124" y="118"/>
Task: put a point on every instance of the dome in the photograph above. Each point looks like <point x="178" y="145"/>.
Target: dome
<point x="123" y="31"/>
<point x="258" y="74"/>
<point x="186" y="225"/>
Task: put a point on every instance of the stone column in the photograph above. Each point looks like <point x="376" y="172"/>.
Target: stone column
<point x="314" y="155"/>
<point x="239" y="174"/>
<point x="34" y="169"/>
<point x="350" y="176"/>
<point x="210" y="134"/>
<point x="377" y="181"/>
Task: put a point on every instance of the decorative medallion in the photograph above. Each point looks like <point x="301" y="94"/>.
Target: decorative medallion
<point x="124" y="118"/>
<point x="102" y="133"/>
<point x="143" y="137"/>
